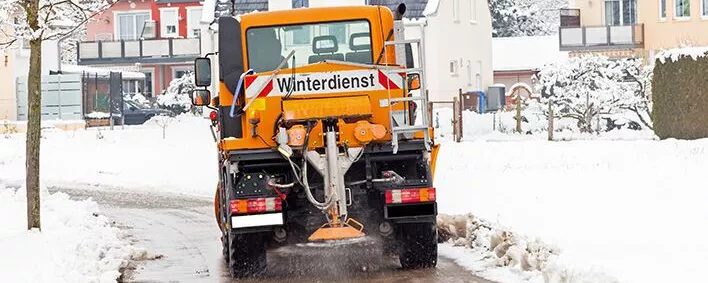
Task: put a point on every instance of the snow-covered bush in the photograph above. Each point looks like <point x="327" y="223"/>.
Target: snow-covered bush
<point x="176" y="96"/>
<point x="596" y="91"/>
<point x="525" y="17"/>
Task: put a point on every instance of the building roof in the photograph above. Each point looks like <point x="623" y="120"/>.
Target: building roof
<point x="525" y="53"/>
<point x="414" y="8"/>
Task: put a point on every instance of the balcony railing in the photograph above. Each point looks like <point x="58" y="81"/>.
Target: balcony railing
<point x="161" y="50"/>
<point x="601" y="37"/>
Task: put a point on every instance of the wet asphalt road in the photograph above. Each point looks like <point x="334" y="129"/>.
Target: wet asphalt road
<point x="183" y="231"/>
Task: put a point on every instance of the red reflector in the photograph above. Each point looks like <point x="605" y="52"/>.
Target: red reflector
<point x="256" y="205"/>
<point x="213" y="115"/>
<point x="410" y="195"/>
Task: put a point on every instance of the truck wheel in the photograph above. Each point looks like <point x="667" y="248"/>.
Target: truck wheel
<point x="247" y="255"/>
<point x="418" y="245"/>
<point x="225" y="246"/>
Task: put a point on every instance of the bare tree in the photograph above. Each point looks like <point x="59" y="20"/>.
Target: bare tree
<point x="36" y="21"/>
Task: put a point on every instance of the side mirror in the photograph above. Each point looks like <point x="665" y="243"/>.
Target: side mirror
<point x="132" y="108"/>
<point x="201" y="97"/>
<point x="413" y="81"/>
<point x="202" y="72"/>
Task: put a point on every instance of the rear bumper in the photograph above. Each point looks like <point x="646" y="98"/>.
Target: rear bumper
<point x="256" y="220"/>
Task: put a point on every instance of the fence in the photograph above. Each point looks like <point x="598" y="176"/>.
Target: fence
<point x="61" y="97"/>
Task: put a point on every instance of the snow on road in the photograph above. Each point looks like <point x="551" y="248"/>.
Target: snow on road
<point x="74" y="245"/>
<point x="622" y="204"/>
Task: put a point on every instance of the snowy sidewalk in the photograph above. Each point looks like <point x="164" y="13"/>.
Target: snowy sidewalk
<point x="75" y="244"/>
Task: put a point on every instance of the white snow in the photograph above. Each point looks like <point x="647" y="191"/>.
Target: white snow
<point x="134" y="157"/>
<point x="74" y="245"/>
<point x="675" y="54"/>
<point x="620" y="205"/>
<point x="632" y="210"/>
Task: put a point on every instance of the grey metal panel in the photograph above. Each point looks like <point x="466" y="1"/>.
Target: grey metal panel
<point x="132" y="48"/>
<point x="88" y="49"/>
<point x="186" y="46"/>
<point x="111" y="49"/>
<point x="158" y="47"/>
<point x="61" y="97"/>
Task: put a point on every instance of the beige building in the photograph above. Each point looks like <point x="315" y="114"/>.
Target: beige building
<point x="7" y="84"/>
<point x="622" y="28"/>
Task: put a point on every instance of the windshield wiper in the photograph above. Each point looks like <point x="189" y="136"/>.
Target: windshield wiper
<point x="263" y="85"/>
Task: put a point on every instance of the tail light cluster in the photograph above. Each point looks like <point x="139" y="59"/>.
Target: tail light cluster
<point x="410" y="195"/>
<point x="256" y="205"/>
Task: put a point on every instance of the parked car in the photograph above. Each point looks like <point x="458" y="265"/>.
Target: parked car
<point x="136" y="114"/>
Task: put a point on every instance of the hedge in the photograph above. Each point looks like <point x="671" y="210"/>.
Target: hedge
<point x="680" y="98"/>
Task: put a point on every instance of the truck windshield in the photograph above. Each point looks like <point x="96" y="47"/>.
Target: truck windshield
<point x="342" y="41"/>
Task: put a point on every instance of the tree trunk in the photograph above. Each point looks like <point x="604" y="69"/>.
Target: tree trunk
<point x="550" y="121"/>
<point x="34" y="102"/>
<point x="518" y="113"/>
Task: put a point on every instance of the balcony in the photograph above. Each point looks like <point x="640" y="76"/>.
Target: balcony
<point x="590" y="38"/>
<point x="146" y="51"/>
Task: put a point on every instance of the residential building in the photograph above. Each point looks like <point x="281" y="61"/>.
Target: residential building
<point x="8" y="109"/>
<point x="458" y="37"/>
<point x="160" y="38"/>
<point x="633" y="28"/>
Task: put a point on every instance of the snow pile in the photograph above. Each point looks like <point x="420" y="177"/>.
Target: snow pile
<point x="75" y="244"/>
<point x="620" y="208"/>
<point x="675" y="54"/>
<point x="496" y="253"/>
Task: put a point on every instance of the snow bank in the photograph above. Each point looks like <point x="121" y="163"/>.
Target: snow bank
<point x="75" y="244"/>
<point x="627" y="209"/>
<point x="676" y="53"/>
<point x="130" y="157"/>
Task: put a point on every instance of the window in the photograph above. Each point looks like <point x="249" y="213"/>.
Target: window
<point x="301" y="36"/>
<point x="453" y="68"/>
<point x="473" y="11"/>
<point x="704" y="9"/>
<point x="682" y="8"/>
<point x="339" y="31"/>
<point x="169" y="19"/>
<point x="178" y="72"/>
<point x="148" y="86"/>
<point x="129" y="26"/>
<point x="301" y="4"/>
<point x="662" y="9"/>
<point x="620" y="12"/>
<point x="193" y="17"/>
<point x="262" y="56"/>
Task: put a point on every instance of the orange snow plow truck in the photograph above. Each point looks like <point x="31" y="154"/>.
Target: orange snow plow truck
<point x="323" y="133"/>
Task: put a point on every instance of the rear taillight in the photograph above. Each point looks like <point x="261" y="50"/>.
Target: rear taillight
<point x="256" y="205"/>
<point x="410" y="195"/>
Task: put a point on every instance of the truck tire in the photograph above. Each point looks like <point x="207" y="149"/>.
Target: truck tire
<point x="418" y="245"/>
<point x="247" y="255"/>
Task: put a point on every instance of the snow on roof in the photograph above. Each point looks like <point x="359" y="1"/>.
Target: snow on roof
<point x="675" y="54"/>
<point x="76" y="69"/>
<point x="525" y="52"/>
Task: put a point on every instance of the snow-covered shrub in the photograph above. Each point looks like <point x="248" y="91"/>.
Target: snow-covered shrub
<point x="176" y="96"/>
<point x="680" y="93"/>
<point x="525" y="17"/>
<point x="594" y="89"/>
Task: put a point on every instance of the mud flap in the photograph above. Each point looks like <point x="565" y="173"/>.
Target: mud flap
<point x="433" y="159"/>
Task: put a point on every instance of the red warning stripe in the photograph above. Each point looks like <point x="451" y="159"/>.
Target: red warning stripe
<point x="386" y="82"/>
<point x="266" y="90"/>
